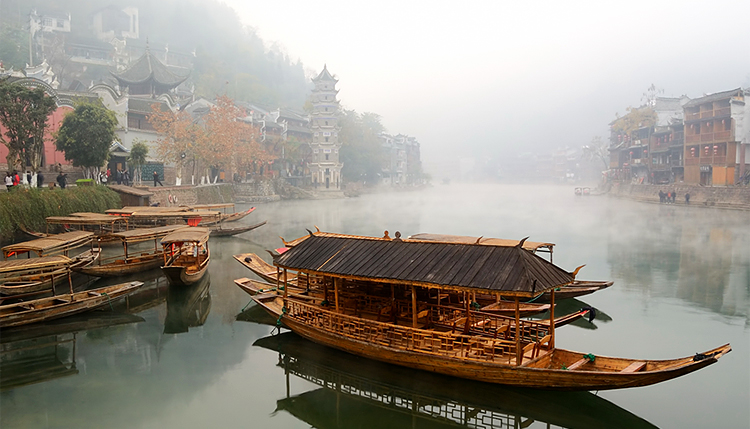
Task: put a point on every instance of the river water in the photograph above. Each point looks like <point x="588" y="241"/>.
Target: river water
<point x="205" y="358"/>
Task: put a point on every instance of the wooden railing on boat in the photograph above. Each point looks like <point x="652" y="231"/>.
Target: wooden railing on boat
<point x="443" y="343"/>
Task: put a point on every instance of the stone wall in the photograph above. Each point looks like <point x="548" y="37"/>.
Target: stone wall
<point x="723" y="197"/>
<point x="189" y="195"/>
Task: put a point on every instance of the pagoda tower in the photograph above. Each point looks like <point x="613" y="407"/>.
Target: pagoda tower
<point x="325" y="167"/>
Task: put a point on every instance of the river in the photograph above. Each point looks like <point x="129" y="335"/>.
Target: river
<point x="206" y="358"/>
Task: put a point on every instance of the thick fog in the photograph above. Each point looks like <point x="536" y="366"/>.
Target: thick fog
<point x="488" y="78"/>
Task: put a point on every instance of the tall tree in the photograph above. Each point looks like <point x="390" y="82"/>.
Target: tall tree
<point x="137" y="159"/>
<point x="179" y="139"/>
<point x="361" y="148"/>
<point x="24" y="113"/>
<point x="86" y="135"/>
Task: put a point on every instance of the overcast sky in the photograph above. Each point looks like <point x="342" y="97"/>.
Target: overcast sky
<point x="488" y="77"/>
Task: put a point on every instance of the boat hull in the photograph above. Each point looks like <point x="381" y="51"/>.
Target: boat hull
<point x="225" y="232"/>
<point x="56" y="307"/>
<point x="524" y="375"/>
<point x="179" y="276"/>
<point x="122" y="269"/>
<point x="45" y="281"/>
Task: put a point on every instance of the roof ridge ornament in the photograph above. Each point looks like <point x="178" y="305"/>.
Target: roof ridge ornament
<point x="575" y="272"/>
<point x="479" y="239"/>
<point x="397" y="236"/>
<point x="385" y="235"/>
<point x="317" y="229"/>
<point x="310" y="232"/>
<point x="520" y="243"/>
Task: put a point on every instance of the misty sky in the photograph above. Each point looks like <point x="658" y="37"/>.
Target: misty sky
<point x="485" y="78"/>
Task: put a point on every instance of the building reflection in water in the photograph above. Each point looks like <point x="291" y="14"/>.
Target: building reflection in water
<point x="358" y="392"/>
<point x="685" y="255"/>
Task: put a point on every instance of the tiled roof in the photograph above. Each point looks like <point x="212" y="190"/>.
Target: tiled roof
<point x="508" y="269"/>
<point x="325" y="75"/>
<point x="714" y="97"/>
<point x="146" y="68"/>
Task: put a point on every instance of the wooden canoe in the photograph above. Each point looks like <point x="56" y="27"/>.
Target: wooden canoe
<point x="576" y="289"/>
<point x="40" y="310"/>
<point x="263" y="269"/>
<point x="219" y="231"/>
<point x="233" y="217"/>
<point x="474" y="358"/>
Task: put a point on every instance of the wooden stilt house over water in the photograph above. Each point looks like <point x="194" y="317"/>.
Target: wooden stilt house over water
<point x="381" y="298"/>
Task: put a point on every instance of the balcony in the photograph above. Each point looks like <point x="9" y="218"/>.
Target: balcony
<point x="724" y="112"/>
<point x="719" y="136"/>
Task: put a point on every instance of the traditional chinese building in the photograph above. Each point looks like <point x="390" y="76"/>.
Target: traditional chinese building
<point x="325" y="167"/>
<point x="716" y="133"/>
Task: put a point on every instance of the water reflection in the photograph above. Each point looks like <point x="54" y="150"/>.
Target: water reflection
<point x="43" y="352"/>
<point x="360" y="393"/>
<point x="187" y="306"/>
<point x="682" y="252"/>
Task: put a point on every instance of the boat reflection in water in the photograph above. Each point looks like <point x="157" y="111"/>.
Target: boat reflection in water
<point x="42" y="352"/>
<point x="187" y="306"/>
<point x="362" y="393"/>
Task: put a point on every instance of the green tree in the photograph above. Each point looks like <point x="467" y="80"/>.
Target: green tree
<point x="24" y="113"/>
<point x="361" y="148"/>
<point x="86" y="135"/>
<point x="137" y="159"/>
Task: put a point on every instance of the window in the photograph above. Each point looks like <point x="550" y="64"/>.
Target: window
<point x="326" y="139"/>
<point x="326" y="157"/>
<point x="60" y="24"/>
<point x="326" y="123"/>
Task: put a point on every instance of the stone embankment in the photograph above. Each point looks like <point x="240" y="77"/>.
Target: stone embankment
<point x="719" y="197"/>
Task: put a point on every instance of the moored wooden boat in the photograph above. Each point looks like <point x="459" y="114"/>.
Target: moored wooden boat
<point x="55" y="307"/>
<point x="576" y="289"/>
<point x="220" y="231"/>
<point x="131" y="261"/>
<point x="23" y="276"/>
<point x="360" y="275"/>
<point x="234" y="217"/>
<point x="186" y="255"/>
<point x="261" y="268"/>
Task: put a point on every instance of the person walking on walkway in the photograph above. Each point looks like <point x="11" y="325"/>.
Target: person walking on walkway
<point x="39" y="180"/>
<point x="61" y="180"/>
<point x="8" y="181"/>
<point x="126" y="178"/>
<point x="156" y="179"/>
<point x="687" y="198"/>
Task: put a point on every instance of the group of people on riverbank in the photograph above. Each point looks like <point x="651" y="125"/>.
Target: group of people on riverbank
<point x="14" y="179"/>
<point x="670" y="197"/>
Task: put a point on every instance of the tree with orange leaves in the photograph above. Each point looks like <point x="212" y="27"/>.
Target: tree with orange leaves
<point x="180" y="137"/>
<point x="219" y="139"/>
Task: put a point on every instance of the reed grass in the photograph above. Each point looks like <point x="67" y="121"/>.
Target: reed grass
<point x="30" y="207"/>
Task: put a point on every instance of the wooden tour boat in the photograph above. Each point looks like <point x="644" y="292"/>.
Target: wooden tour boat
<point x="131" y="261"/>
<point x="269" y="273"/>
<point x="220" y="231"/>
<point x="186" y="255"/>
<point x="374" y="304"/>
<point x="26" y="276"/>
<point x="40" y="310"/>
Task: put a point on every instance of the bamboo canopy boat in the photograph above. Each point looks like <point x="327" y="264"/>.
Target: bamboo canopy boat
<point x="130" y="262"/>
<point x="219" y="230"/>
<point x="55" y="307"/>
<point x="366" y="276"/>
<point x="52" y="245"/>
<point x="141" y="217"/>
<point x="186" y="255"/>
<point x="24" y="276"/>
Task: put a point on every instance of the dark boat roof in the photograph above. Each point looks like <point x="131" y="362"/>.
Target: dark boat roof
<point x="509" y="270"/>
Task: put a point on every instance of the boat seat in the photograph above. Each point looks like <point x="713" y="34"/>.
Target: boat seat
<point x="634" y="367"/>
<point x="94" y="293"/>
<point x="577" y="364"/>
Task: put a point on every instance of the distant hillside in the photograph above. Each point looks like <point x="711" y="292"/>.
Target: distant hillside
<point x="229" y="59"/>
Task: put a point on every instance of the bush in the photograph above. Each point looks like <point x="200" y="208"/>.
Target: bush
<point x="31" y="207"/>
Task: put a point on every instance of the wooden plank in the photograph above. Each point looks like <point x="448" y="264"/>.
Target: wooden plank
<point x="578" y="363"/>
<point x="635" y="367"/>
